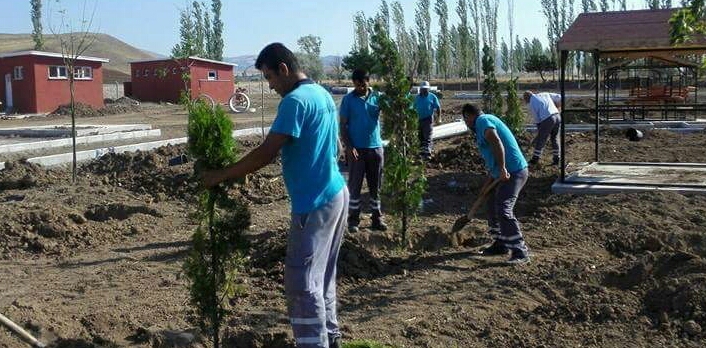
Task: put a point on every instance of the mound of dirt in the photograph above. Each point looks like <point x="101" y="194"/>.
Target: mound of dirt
<point x="20" y="175"/>
<point x="112" y="107"/>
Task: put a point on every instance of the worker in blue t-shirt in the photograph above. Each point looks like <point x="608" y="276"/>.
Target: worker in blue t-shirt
<point x="427" y="105"/>
<point x="306" y="131"/>
<point x="505" y="162"/>
<point x="360" y="134"/>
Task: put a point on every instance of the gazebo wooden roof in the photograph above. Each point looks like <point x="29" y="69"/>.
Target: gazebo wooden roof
<point x="628" y="34"/>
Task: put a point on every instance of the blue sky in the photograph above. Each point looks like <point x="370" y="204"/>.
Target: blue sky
<point x="251" y="24"/>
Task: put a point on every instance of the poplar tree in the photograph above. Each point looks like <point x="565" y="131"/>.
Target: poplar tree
<point x="465" y="53"/>
<point x="37" y="35"/>
<point x="215" y="48"/>
<point x="442" y="48"/>
<point x="422" y="19"/>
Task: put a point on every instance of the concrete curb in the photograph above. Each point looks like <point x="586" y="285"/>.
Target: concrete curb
<point x="84" y="140"/>
<point x="55" y="160"/>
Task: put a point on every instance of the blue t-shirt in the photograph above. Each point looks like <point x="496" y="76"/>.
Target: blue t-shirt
<point x="425" y="106"/>
<point x="309" y="159"/>
<point x="514" y="159"/>
<point x="363" y="115"/>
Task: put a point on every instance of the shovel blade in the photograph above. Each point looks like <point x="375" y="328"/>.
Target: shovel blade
<point x="460" y="223"/>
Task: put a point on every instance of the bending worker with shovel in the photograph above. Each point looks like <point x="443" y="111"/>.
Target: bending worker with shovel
<point x="507" y="168"/>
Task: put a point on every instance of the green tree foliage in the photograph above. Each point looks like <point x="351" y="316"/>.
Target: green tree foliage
<point x="405" y="41"/>
<point x="361" y="59"/>
<point x="199" y="29"/>
<point x="187" y="38"/>
<point x="490" y="23"/>
<point x="492" y="98"/>
<point x="518" y="55"/>
<point x="384" y="15"/>
<point x="310" y="57"/>
<point x="422" y="19"/>
<point x="361" y="36"/>
<point x="218" y="252"/>
<point x="540" y="63"/>
<point x="688" y="22"/>
<point x="514" y="116"/>
<point x="464" y="47"/>
<point x="658" y="4"/>
<point x="200" y="33"/>
<point x="476" y="16"/>
<point x="36" y="13"/>
<point x="215" y="45"/>
<point x="404" y="176"/>
<point x="505" y="59"/>
<point x="443" y="50"/>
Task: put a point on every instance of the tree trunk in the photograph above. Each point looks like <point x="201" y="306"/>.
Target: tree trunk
<point x="73" y="123"/>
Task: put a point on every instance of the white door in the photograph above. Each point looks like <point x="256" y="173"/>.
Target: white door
<point x="8" y="92"/>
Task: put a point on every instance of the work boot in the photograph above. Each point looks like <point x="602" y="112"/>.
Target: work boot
<point x="556" y="160"/>
<point x="353" y="220"/>
<point x="335" y="343"/>
<point x="518" y="258"/>
<point x="378" y="224"/>
<point x="494" y="249"/>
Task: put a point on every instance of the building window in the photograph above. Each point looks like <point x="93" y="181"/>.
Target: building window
<point x="83" y="73"/>
<point x="58" y="72"/>
<point x="174" y="71"/>
<point x="212" y="75"/>
<point x="18" y="73"/>
<point x="147" y="72"/>
<point x="137" y="72"/>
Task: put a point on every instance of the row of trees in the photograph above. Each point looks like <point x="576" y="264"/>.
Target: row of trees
<point x="200" y="32"/>
<point x="456" y="50"/>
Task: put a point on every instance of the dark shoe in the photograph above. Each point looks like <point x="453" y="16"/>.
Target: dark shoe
<point x="555" y="161"/>
<point x="534" y="161"/>
<point x="494" y="249"/>
<point x="353" y="220"/>
<point x="518" y="258"/>
<point x="336" y="343"/>
<point x="378" y="225"/>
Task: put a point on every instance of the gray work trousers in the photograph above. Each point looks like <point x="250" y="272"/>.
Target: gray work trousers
<point x="368" y="166"/>
<point x="500" y="208"/>
<point x="310" y="272"/>
<point x="548" y="129"/>
<point x="424" y="133"/>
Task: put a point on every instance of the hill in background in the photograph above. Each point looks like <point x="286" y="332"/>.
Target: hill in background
<point x="105" y="46"/>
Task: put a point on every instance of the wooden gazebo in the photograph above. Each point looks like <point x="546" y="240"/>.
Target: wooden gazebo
<point x="620" y="37"/>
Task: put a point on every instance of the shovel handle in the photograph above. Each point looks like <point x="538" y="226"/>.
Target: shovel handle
<point x="484" y="192"/>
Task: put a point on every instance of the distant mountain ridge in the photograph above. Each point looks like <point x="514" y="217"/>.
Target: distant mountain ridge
<point x="118" y="52"/>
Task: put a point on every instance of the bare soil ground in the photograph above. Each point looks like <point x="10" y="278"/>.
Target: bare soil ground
<point x="98" y="263"/>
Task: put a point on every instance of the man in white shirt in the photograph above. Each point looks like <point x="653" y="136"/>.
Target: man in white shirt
<point x="544" y="108"/>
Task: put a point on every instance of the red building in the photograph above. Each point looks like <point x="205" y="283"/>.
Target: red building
<point x="164" y="79"/>
<point x="37" y="82"/>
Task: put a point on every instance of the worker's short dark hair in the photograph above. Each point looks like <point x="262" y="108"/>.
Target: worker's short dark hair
<point x="470" y="109"/>
<point x="360" y="75"/>
<point x="274" y="54"/>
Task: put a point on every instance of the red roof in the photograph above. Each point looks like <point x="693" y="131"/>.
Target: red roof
<point x="623" y="31"/>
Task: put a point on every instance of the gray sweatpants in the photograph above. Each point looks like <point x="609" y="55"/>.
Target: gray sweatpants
<point x="424" y="132"/>
<point x="310" y="272"/>
<point x="500" y="208"/>
<point x="548" y="129"/>
<point x="369" y="167"/>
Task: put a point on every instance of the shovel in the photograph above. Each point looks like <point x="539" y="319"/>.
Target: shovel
<point x="484" y="192"/>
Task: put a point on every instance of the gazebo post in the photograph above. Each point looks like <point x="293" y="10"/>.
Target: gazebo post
<point x="562" y="90"/>
<point x="596" y="60"/>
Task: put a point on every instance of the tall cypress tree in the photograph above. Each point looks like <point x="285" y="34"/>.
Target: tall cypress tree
<point x="404" y="176"/>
